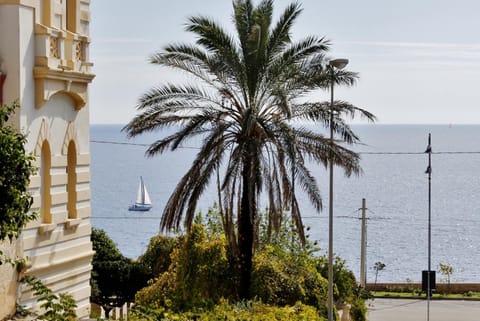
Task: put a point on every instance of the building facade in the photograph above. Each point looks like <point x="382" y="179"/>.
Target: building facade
<point x="44" y="46"/>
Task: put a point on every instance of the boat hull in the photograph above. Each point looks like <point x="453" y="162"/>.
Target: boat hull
<point x="139" y="208"/>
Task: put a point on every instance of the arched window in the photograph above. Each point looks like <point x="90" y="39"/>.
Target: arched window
<point x="46" y="198"/>
<point x="72" y="180"/>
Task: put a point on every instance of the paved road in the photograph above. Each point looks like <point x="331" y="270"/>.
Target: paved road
<point x="416" y="310"/>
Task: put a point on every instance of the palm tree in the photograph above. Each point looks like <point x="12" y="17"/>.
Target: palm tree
<point x="242" y="105"/>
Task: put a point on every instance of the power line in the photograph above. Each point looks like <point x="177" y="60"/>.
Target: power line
<point x="417" y="153"/>
<point x="133" y="144"/>
<point x="361" y="153"/>
<point x="117" y="143"/>
<point x="126" y="217"/>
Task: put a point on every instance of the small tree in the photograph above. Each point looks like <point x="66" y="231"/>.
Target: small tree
<point x="378" y="266"/>
<point x="447" y="270"/>
<point x="115" y="278"/>
<point x="15" y="170"/>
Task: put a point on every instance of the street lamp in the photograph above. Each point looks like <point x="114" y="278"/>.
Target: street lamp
<point x="334" y="64"/>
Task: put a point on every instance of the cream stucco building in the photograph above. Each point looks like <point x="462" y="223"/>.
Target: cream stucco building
<point x="44" y="46"/>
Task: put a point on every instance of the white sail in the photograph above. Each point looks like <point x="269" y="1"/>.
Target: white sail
<point x="146" y="197"/>
<point x="143" y="202"/>
<point x="142" y="194"/>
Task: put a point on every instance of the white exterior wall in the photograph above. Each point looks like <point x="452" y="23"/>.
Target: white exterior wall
<point x="10" y="56"/>
<point x="26" y="57"/>
<point x="10" y="51"/>
<point x="54" y="107"/>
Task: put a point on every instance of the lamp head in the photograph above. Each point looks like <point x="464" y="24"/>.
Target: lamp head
<point x="339" y="63"/>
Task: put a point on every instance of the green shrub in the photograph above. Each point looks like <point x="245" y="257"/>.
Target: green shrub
<point x="16" y="168"/>
<point x="358" y="311"/>
<point x="283" y="278"/>
<point x="115" y="278"/>
<point x="157" y="256"/>
<point x="55" y="307"/>
<point x="199" y="275"/>
<point x="202" y="274"/>
<point x="345" y="282"/>
<point x="242" y="311"/>
<point x="257" y="311"/>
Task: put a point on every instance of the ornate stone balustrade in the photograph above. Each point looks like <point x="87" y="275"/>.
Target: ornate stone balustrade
<point x="61" y="65"/>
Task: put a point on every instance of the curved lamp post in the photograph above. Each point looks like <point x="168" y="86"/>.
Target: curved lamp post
<point x="334" y="64"/>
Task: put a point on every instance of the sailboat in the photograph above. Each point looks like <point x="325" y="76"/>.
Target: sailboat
<point x="143" y="202"/>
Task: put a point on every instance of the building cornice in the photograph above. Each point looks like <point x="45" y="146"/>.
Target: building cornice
<point x="26" y="3"/>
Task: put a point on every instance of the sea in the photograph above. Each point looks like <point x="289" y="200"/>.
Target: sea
<point x="394" y="184"/>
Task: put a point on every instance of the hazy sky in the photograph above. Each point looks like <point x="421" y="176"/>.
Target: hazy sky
<point x="419" y="60"/>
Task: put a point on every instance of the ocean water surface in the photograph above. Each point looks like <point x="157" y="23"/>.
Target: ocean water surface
<point x="393" y="183"/>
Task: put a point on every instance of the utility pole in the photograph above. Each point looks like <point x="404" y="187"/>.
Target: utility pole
<point x="363" y="251"/>
<point x="429" y="272"/>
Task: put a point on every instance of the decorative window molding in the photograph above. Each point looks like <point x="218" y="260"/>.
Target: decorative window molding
<point x="70" y="135"/>
<point x="43" y="135"/>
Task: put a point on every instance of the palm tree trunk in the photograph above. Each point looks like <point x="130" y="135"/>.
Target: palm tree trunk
<point x="246" y="228"/>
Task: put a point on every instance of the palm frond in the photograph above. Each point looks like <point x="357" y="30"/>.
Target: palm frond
<point x="241" y="107"/>
<point x="280" y="34"/>
<point x="158" y="96"/>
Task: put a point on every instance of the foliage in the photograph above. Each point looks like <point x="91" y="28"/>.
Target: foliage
<point x="282" y="278"/>
<point x="157" y="256"/>
<point x="56" y="307"/>
<point x="199" y="275"/>
<point x="242" y="106"/>
<point x="345" y="285"/>
<point x="244" y="311"/>
<point x="359" y="310"/>
<point x="378" y="266"/>
<point x="16" y="168"/>
<point x="115" y="278"/>
<point x="258" y="311"/>
<point x="447" y="270"/>
<point x="286" y="237"/>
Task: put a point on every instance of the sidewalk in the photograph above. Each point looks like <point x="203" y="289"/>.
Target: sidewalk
<point x="416" y="310"/>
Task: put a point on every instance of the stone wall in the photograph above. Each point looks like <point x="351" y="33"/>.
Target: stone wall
<point x="455" y="288"/>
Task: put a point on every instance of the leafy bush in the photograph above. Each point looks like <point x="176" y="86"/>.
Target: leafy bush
<point x="115" y="278"/>
<point x="16" y="168"/>
<point x="157" y="256"/>
<point x="202" y="274"/>
<point x="257" y="311"/>
<point x="345" y="282"/>
<point x="199" y="275"/>
<point x="244" y="311"/>
<point x="358" y="311"/>
<point x="283" y="278"/>
<point x="55" y="307"/>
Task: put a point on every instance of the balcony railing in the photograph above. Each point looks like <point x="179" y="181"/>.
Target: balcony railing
<point x="60" y="49"/>
<point x="61" y="65"/>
